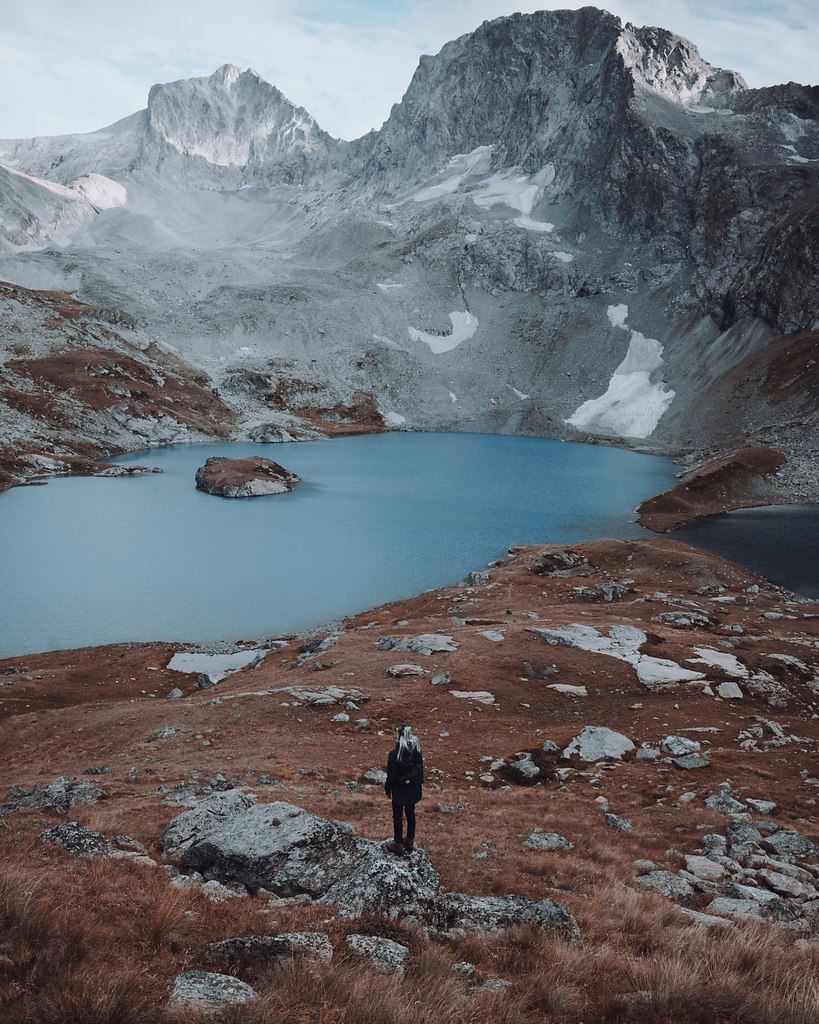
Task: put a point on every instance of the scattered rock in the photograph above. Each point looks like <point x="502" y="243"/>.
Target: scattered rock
<point x="162" y="734"/>
<point x="789" y="844"/>
<point x="490" y="914"/>
<point x="441" y="679"/>
<point x="383" y="954"/>
<point x="620" y="824"/>
<point x="548" y="841"/>
<point x="730" y="691"/>
<point x="761" y="806"/>
<point x="175" y="694"/>
<point x="603" y="593"/>
<point x="690" y="762"/>
<point x="78" y="839"/>
<point x="426" y="644"/>
<point x="404" y="670"/>
<point x="597" y="743"/>
<point x="667" y="884"/>
<point x="722" y="800"/>
<point x="205" y="991"/>
<point x="705" y="868"/>
<point x="288" y="945"/>
<point x="684" y="620"/>
<point x="481" y="696"/>
<point x="677" y="746"/>
<point x="375" y="775"/>
<point x="561" y="564"/>
<point x="59" y="795"/>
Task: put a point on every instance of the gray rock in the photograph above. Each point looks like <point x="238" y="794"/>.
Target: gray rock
<point x="704" y="868"/>
<point x="524" y="767"/>
<point x="597" y="743"/>
<point x="561" y="564"/>
<point x="667" y="884"/>
<point x="691" y="762"/>
<point x="77" y="839"/>
<point x="730" y="691"/>
<point x="162" y="734"/>
<point x="381" y="883"/>
<point x="277" y="846"/>
<point x="616" y="822"/>
<point x="97" y="769"/>
<point x="684" y="620"/>
<point x="175" y="694"/>
<point x="550" y="747"/>
<point x="288" y="945"/>
<point x="736" y="908"/>
<point x="441" y="679"/>
<point x="383" y="954"/>
<point x="341" y="718"/>
<point x="790" y="843"/>
<point x="761" y="806"/>
<point x="784" y="885"/>
<point x="59" y="795"/>
<point x="603" y="593"/>
<point x="375" y="775"/>
<point x="205" y="991"/>
<point x="723" y="801"/>
<point x="491" y="985"/>
<point x="678" y="746"/>
<point x="490" y="914"/>
<point x="404" y="670"/>
<point x="548" y="841"/>
<point x="706" y="920"/>
<point x="426" y="643"/>
<point x="644" y="866"/>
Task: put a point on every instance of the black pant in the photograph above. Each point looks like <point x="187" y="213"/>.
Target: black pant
<point x="398" y="812"/>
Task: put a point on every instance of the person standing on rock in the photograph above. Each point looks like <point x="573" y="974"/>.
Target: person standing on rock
<point x="405" y="777"/>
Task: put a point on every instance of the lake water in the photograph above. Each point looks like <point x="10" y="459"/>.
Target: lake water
<point x="781" y="542"/>
<point x="92" y="561"/>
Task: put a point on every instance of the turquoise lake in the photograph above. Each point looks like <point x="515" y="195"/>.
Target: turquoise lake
<point x="91" y="561"/>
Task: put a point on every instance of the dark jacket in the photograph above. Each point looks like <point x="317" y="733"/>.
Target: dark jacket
<point x="405" y="776"/>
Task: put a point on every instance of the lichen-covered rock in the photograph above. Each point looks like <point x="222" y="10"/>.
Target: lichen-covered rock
<point x="383" y="954"/>
<point x="276" y="846"/>
<point x="288" y="945"/>
<point x="548" y="841"/>
<point x="491" y="914"/>
<point x="203" y="990"/>
<point x="383" y="884"/>
<point x="77" y="839"/>
<point x="667" y="884"/>
<point x="59" y="795"/>
<point x="244" y="478"/>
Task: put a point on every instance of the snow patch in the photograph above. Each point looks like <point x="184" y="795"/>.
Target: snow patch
<point x="533" y="225"/>
<point x="623" y="642"/>
<point x="394" y="419"/>
<point x="464" y="326"/>
<point x="633" y="403"/>
<point x="453" y="397"/>
<point x="388" y="286"/>
<point x="387" y="342"/>
<point x="515" y="391"/>
<point x="508" y="188"/>
<point x="460" y="167"/>
<point x="101" y="192"/>
<point x="719" y="659"/>
<point x="617" y="315"/>
<point x="564" y="257"/>
<point x="215" y="666"/>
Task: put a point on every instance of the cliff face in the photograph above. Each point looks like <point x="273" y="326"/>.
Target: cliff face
<point x="567" y="226"/>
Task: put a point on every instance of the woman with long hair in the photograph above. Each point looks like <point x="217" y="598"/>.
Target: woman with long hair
<point x="405" y="777"/>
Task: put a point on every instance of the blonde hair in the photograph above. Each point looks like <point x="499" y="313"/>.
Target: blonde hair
<point x="407" y="741"/>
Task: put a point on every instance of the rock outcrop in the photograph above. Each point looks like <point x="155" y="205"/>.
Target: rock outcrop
<point x="244" y="478"/>
<point x="288" y="851"/>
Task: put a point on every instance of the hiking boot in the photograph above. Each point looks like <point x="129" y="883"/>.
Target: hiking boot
<point x="395" y="847"/>
<point x="409" y="846"/>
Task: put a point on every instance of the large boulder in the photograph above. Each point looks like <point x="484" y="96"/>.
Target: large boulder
<point x="288" y="851"/>
<point x="275" y="846"/>
<point x="598" y="743"/>
<point x="207" y="992"/>
<point x="244" y="478"/>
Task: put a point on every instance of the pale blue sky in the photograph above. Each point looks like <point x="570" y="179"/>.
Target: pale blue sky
<point x="76" y="67"/>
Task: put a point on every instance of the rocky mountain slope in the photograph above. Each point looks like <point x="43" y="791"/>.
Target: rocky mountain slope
<point x="567" y="227"/>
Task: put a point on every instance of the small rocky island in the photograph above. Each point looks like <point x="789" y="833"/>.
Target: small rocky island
<point x="244" y="478"/>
